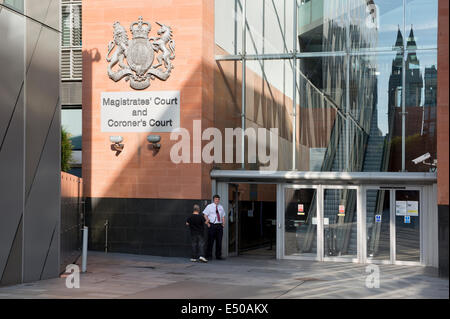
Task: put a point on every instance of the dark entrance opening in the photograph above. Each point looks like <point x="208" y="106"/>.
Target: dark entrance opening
<point x="252" y="220"/>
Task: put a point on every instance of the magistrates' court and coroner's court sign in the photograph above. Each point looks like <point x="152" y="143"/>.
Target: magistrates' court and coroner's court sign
<point x="133" y="60"/>
<point x="147" y="111"/>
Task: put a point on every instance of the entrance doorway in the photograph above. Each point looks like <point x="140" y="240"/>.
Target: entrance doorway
<point x="331" y="216"/>
<point x="252" y="220"/>
<point x="393" y="225"/>
<point x="321" y="222"/>
<point x="352" y="223"/>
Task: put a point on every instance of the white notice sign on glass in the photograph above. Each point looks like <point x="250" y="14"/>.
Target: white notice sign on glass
<point x="412" y="208"/>
<point x="400" y="208"/>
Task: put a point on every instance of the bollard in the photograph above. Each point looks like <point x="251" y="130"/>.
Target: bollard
<point x="106" y="236"/>
<point x="84" y="252"/>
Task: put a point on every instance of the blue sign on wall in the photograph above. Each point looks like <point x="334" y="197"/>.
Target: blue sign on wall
<point x="407" y="219"/>
<point x="378" y="218"/>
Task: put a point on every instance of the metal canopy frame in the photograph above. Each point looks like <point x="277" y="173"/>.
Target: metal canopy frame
<point x="249" y="176"/>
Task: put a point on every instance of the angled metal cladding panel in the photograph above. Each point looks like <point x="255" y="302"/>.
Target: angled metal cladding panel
<point x="44" y="11"/>
<point x="11" y="186"/>
<point x="52" y="266"/>
<point x="42" y="163"/>
<point x="42" y="211"/>
<point x="38" y="10"/>
<point x="12" y="273"/>
<point x="33" y="31"/>
<point x="12" y="30"/>
<point x="53" y="15"/>
<point x="42" y="94"/>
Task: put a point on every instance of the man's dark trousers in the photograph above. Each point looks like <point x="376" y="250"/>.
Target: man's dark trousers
<point x="215" y="233"/>
<point x="198" y="245"/>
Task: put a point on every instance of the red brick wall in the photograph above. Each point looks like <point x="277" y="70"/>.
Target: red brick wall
<point x="442" y="103"/>
<point x="137" y="172"/>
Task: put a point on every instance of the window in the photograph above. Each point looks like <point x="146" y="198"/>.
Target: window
<point x="71" y="120"/>
<point x="71" y="54"/>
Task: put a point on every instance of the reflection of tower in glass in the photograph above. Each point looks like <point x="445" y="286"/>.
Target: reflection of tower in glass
<point x="413" y="75"/>
<point x="413" y="88"/>
<point x="429" y="106"/>
<point x="395" y="79"/>
<point x="395" y="105"/>
<point x="420" y="105"/>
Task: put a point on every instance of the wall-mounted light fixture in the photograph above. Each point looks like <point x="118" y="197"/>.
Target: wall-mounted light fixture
<point x="153" y="140"/>
<point x="116" y="146"/>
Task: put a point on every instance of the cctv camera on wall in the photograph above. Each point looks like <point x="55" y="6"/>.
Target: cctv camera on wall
<point x="421" y="158"/>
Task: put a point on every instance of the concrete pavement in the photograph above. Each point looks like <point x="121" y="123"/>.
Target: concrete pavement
<point x="115" y="275"/>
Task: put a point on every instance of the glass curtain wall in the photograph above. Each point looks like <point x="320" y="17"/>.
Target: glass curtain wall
<point x="349" y="84"/>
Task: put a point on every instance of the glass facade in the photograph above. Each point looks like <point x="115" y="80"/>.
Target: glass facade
<point x="350" y="84"/>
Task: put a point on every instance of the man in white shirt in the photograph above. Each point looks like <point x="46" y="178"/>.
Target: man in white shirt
<point x="215" y="217"/>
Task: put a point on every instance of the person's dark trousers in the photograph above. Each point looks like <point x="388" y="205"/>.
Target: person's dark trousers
<point x="215" y="233"/>
<point x="198" y="245"/>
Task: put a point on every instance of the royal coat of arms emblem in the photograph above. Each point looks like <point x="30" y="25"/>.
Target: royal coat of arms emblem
<point x="135" y="57"/>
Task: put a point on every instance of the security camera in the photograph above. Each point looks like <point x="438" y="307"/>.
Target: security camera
<point x="421" y="158"/>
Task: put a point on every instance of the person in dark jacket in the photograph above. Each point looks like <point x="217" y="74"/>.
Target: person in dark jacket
<point x="196" y="223"/>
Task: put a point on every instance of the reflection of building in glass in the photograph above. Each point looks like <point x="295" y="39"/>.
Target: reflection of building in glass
<point x="333" y="117"/>
<point x="420" y="105"/>
<point x="413" y="88"/>
<point x="414" y="80"/>
<point x="337" y="114"/>
<point x="395" y="80"/>
<point x="429" y="106"/>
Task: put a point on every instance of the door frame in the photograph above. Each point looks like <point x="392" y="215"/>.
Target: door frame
<point x="222" y="189"/>
<point x="235" y="187"/>
<point x="359" y="224"/>
<point x="392" y="229"/>
<point x="281" y="216"/>
<point x="281" y="206"/>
